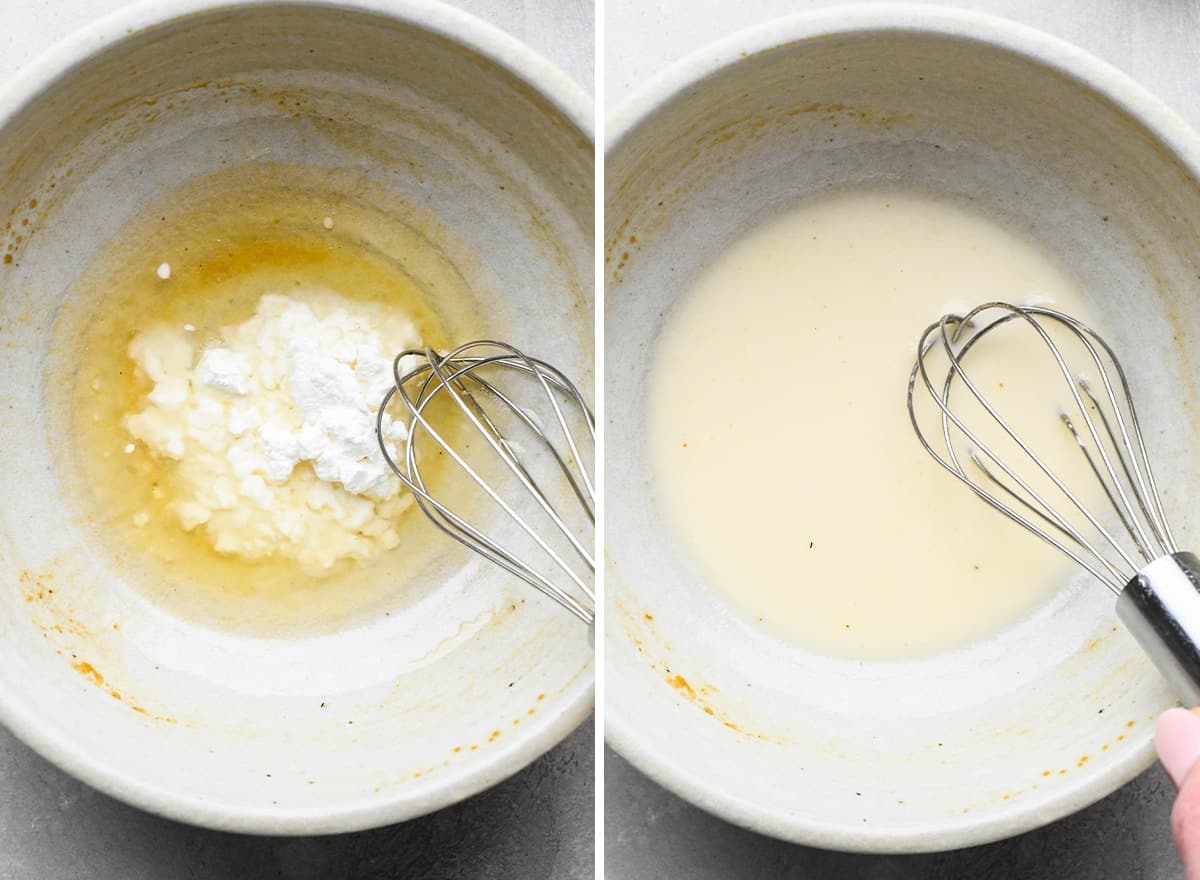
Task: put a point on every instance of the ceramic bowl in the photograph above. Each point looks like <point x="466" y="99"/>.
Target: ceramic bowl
<point x="965" y="746"/>
<point x="484" y="152"/>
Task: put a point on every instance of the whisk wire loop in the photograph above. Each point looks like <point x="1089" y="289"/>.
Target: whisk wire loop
<point x="458" y="375"/>
<point x="955" y="466"/>
<point x="583" y="494"/>
<point x="957" y="371"/>
<point x="1141" y="538"/>
<point x="450" y="523"/>
<point x="451" y="386"/>
<point x="1111" y="442"/>
<point x="1157" y="585"/>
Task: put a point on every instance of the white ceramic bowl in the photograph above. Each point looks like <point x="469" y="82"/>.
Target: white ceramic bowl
<point x="404" y="707"/>
<point x="962" y="747"/>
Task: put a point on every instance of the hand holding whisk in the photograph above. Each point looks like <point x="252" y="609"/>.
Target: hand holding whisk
<point x="1126" y="542"/>
<point x="533" y="466"/>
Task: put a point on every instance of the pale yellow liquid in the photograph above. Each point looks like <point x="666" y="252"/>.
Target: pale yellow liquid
<point x="781" y="445"/>
<point x="229" y="239"/>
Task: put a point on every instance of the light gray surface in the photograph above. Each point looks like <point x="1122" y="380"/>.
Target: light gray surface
<point x="650" y="833"/>
<point x="1157" y="42"/>
<point x="535" y="826"/>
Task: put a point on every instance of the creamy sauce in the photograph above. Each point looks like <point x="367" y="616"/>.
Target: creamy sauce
<point x="780" y="442"/>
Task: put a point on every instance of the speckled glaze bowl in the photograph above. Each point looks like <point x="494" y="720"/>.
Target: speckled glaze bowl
<point x="961" y="747"/>
<point x="369" y="718"/>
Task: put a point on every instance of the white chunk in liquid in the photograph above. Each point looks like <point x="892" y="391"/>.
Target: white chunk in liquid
<point x="780" y="442"/>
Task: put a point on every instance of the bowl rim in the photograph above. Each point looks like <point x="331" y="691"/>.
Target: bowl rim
<point x="389" y="806"/>
<point x="622" y="729"/>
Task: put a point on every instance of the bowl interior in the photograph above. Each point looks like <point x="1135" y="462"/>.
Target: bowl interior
<point x="431" y="693"/>
<point x="956" y="748"/>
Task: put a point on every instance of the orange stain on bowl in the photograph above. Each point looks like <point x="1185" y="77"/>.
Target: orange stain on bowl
<point x="88" y="671"/>
<point x="681" y="684"/>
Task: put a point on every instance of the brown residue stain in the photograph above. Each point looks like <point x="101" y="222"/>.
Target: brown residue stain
<point x="648" y="615"/>
<point x="1130" y="723"/>
<point x="1046" y="772"/>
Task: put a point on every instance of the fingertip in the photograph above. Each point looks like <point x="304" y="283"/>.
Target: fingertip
<point x="1177" y="739"/>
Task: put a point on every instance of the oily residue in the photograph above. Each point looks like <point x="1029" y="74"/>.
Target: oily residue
<point x="72" y="639"/>
<point x="493" y="735"/>
<point x="19" y="226"/>
<point x="641" y="630"/>
<point x="1048" y="775"/>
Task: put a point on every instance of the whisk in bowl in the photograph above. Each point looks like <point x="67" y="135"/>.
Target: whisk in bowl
<point x="534" y="466"/>
<point x="1127" y="542"/>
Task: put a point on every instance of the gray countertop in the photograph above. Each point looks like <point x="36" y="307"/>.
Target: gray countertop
<point x="653" y="835"/>
<point x="538" y="825"/>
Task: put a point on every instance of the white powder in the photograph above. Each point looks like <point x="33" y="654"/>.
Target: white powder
<point x="272" y="427"/>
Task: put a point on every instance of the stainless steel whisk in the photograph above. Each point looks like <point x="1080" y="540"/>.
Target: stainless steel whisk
<point x="1134" y="552"/>
<point x="554" y="513"/>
